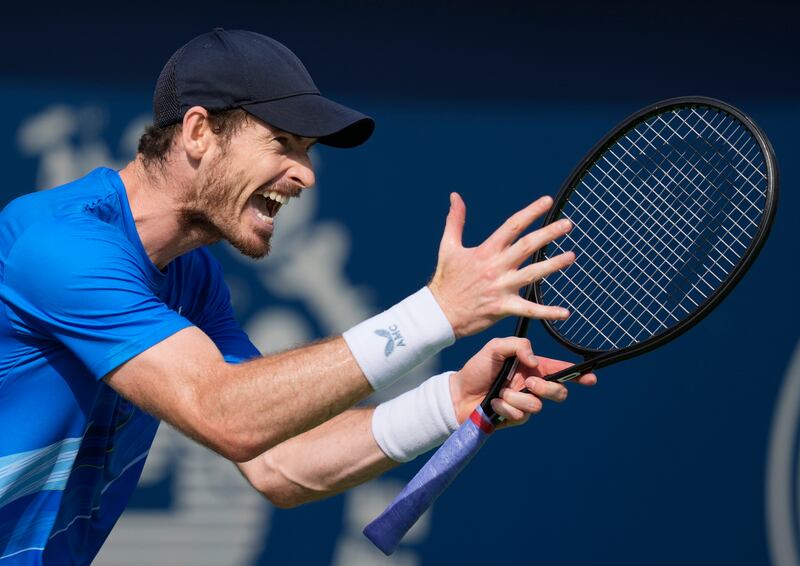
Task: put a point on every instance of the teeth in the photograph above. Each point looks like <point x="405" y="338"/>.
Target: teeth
<point x="263" y="216"/>
<point x="277" y="197"/>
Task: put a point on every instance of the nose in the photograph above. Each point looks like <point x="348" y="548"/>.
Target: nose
<point x="302" y="172"/>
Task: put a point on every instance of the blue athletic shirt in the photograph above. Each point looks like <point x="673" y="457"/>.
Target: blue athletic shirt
<point x="80" y="297"/>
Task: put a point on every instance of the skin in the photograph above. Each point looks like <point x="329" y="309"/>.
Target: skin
<point x="269" y="413"/>
<point x="345" y="453"/>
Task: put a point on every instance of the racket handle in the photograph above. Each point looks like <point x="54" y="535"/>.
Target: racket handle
<point x="390" y="527"/>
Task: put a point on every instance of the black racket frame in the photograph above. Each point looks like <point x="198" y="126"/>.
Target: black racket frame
<point x="594" y="359"/>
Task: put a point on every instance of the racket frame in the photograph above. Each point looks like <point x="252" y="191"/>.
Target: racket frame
<point x="594" y="359"/>
<point x="387" y="530"/>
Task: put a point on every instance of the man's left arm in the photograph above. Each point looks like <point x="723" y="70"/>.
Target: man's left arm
<point x="343" y="452"/>
<point x="336" y="455"/>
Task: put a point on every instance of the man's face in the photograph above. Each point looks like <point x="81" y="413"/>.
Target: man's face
<point x="239" y="190"/>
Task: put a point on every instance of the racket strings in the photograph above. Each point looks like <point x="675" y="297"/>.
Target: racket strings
<point x="760" y="168"/>
<point x="706" y="160"/>
<point x="701" y="206"/>
<point x="708" y="204"/>
<point x="639" y="321"/>
<point x="634" y="279"/>
<point x="682" y="175"/>
<point x="713" y="182"/>
<point x="660" y="220"/>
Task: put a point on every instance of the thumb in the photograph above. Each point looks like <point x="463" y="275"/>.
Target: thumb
<point x="454" y="226"/>
<point x="503" y="348"/>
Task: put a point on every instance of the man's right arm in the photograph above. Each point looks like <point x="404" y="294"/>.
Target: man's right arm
<point x="346" y="448"/>
<point x="240" y="410"/>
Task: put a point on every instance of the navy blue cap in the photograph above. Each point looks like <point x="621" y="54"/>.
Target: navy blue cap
<point x="227" y="69"/>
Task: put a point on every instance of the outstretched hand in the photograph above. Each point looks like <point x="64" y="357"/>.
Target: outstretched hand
<point x="476" y="287"/>
<point x="470" y="385"/>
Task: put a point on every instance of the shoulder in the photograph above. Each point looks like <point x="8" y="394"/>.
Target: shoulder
<point x="68" y="243"/>
<point x="70" y="256"/>
<point x="62" y="201"/>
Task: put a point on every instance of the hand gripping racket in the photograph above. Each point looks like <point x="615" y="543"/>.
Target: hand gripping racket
<point x="668" y="210"/>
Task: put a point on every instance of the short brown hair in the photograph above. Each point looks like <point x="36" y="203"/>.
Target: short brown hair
<point x="155" y="143"/>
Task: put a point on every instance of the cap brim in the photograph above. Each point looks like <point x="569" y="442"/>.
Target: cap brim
<point x="314" y="116"/>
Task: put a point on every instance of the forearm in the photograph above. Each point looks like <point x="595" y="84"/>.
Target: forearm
<point x="356" y="446"/>
<point x="240" y="410"/>
<point x="361" y="444"/>
<point x="275" y="398"/>
<point x="344" y="452"/>
<point x="268" y="400"/>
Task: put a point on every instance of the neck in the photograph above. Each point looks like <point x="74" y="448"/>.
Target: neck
<point x="155" y="202"/>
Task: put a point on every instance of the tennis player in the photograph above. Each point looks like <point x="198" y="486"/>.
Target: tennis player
<point x="115" y="316"/>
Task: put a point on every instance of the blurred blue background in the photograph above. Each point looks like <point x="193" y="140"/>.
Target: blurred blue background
<point x="687" y="455"/>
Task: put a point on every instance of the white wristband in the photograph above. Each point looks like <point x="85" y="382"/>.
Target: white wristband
<point x="416" y="421"/>
<point x="392" y="343"/>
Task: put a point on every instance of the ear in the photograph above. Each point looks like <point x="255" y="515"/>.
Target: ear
<point x="196" y="134"/>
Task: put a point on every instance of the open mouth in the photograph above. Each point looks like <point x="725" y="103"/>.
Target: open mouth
<point x="268" y="205"/>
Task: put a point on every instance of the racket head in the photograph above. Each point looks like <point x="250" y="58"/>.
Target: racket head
<point x="653" y="166"/>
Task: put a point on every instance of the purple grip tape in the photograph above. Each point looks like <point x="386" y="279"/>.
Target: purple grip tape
<point x="390" y="527"/>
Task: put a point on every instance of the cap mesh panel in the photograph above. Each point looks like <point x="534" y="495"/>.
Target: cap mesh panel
<point x="166" y="107"/>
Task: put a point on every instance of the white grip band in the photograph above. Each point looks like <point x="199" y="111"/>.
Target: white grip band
<point x="416" y="421"/>
<point x="394" y="342"/>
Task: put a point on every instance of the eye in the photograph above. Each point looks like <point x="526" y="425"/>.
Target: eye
<point x="283" y="140"/>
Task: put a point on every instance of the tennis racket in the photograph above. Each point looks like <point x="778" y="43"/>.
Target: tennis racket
<point x="669" y="210"/>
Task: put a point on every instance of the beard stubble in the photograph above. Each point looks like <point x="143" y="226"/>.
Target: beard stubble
<point x="212" y="211"/>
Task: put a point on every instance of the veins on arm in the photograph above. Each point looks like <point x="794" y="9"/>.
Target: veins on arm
<point x="335" y="456"/>
<point x="240" y="410"/>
